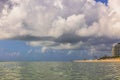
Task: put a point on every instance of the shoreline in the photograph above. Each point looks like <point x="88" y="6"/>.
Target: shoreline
<point x="106" y="60"/>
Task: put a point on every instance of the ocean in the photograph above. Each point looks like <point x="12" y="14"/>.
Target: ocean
<point x="59" y="71"/>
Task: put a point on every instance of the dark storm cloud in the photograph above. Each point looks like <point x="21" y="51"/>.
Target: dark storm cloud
<point x="32" y="38"/>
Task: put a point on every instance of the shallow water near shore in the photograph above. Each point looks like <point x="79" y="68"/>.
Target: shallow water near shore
<point x="59" y="71"/>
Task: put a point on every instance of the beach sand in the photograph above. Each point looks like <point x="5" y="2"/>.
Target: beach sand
<point x="106" y="60"/>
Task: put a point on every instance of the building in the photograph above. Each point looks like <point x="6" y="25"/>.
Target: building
<point x="116" y="50"/>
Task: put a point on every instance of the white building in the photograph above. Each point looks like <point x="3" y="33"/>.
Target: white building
<point x="116" y="50"/>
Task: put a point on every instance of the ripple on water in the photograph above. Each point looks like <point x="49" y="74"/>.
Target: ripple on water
<point x="59" y="71"/>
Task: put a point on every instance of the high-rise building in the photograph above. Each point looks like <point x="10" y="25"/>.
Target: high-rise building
<point x="116" y="50"/>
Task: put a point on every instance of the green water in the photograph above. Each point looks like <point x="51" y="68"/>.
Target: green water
<point x="59" y="71"/>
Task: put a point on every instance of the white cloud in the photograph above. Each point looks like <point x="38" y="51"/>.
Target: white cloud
<point x="14" y="54"/>
<point x="58" y="3"/>
<point x="43" y="50"/>
<point x="69" y="52"/>
<point x="71" y="23"/>
<point x="30" y="51"/>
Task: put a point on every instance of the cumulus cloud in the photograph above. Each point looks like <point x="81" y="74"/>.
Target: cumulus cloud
<point x="30" y="51"/>
<point x="43" y="50"/>
<point x="61" y="24"/>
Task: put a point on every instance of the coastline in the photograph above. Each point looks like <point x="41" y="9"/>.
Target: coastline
<point x="105" y="60"/>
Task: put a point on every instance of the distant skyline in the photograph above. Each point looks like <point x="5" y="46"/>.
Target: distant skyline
<point x="58" y="30"/>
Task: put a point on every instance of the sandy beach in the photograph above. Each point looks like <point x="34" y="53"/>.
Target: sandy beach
<point x="106" y="60"/>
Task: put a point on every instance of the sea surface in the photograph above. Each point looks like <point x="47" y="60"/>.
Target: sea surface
<point x="59" y="71"/>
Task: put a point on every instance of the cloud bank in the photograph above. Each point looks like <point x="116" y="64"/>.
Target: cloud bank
<point x="61" y="24"/>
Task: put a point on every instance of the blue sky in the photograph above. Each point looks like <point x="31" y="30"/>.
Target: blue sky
<point x="18" y="50"/>
<point x="103" y="1"/>
<point x="27" y="47"/>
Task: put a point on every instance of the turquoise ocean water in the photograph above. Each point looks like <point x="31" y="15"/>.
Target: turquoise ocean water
<point x="59" y="71"/>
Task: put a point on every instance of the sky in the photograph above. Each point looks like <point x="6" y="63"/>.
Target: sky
<point x="58" y="30"/>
